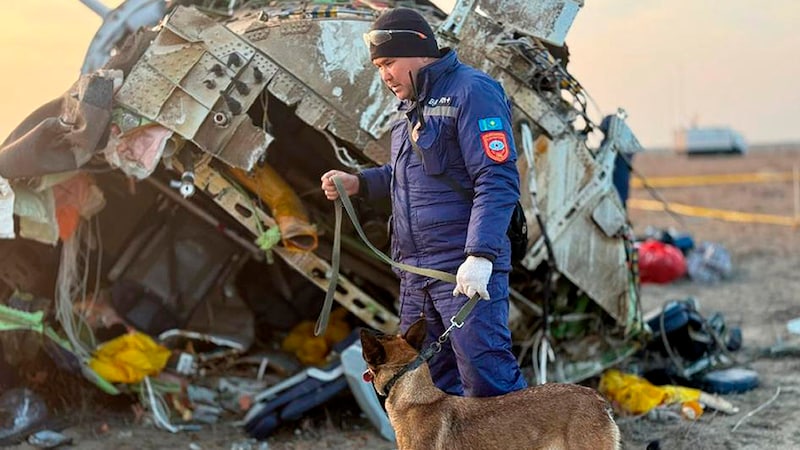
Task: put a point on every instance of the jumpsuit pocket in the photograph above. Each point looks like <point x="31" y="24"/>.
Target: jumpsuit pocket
<point x="431" y="149"/>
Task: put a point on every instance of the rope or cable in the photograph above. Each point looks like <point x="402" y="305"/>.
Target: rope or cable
<point x="158" y="407"/>
<point x="755" y="411"/>
<point x="652" y="191"/>
<point x="672" y="356"/>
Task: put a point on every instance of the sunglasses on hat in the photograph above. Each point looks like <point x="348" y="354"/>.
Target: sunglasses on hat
<point x="378" y="37"/>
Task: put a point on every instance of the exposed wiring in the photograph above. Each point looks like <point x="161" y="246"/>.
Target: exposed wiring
<point x="342" y="154"/>
<point x="71" y="284"/>
<point x="158" y="407"/>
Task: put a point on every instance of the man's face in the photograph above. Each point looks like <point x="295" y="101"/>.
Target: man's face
<point x="394" y="72"/>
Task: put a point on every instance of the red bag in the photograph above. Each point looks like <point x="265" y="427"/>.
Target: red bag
<point x="660" y="262"/>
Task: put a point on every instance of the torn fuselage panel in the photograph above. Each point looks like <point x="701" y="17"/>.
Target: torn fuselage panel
<point x="333" y="85"/>
<point x="198" y="79"/>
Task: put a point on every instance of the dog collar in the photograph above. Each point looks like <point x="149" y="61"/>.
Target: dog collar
<point x="423" y="357"/>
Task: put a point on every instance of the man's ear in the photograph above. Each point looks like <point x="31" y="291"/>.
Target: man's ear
<point x="372" y="349"/>
<point x="415" y="335"/>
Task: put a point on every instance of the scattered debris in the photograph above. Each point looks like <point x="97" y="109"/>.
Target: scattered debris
<point x="709" y="262"/>
<point x="49" y="439"/>
<point x="21" y="412"/>
<point x="196" y="289"/>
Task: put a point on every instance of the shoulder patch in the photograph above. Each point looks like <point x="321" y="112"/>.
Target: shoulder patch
<point x="495" y="145"/>
<point x="490" y="124"/>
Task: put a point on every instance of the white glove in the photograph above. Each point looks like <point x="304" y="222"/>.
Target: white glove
<point x="473" y="277"/>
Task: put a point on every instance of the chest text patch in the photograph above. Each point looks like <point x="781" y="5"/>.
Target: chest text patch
<point x="495" y="145"/>
<point x="443" y="101"/>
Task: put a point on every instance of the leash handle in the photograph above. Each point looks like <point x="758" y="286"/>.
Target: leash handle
<point x="344" y="202"/>
<point x="325" y="313"/>
<point x="351" y="212"/>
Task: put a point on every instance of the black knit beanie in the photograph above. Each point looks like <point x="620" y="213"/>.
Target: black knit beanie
<point x="404" y="44"/>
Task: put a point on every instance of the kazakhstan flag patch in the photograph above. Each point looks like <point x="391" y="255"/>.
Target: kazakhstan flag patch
<point x="490" y="124"/>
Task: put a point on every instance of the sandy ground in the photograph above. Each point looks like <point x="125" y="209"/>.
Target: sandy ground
<point x="763" y="293"/>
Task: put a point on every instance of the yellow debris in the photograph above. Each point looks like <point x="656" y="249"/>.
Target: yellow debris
<point x="313" y="350"/>
<point x="635" y="395"/>
<point x="129" y="358"/>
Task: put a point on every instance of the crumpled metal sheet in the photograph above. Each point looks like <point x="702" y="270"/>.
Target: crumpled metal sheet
<point x="199" y="78"/>
<point x="548" y="20"/>
<point x="333" y="86"/>
<point x="584" y="219"/>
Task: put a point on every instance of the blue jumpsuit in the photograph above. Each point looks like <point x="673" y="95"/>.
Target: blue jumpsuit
<point x="452" y="199"/>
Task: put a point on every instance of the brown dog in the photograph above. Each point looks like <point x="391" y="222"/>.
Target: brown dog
<point x="551" y="416"/>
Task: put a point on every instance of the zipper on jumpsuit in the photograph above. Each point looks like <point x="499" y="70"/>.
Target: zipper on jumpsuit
<point x="406" y="150"/>
<point x="400" y="156"/>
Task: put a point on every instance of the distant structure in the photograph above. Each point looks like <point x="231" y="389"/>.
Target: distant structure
<point x="706" y="140"/>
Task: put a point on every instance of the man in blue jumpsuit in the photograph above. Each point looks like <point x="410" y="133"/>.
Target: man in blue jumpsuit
<point x="452" y="198"/>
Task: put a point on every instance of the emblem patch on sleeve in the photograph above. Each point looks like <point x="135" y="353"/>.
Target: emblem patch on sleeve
<point x="495" y="145"/>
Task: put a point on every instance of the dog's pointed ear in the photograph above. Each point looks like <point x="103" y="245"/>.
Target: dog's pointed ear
<point x="415" y="334"/>
<point x="372" y="349"/>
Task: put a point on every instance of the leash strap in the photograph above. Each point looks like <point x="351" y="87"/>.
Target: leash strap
<point x="435" y="347"/>
<point x="324" y="315"/>
<point x="344" y="202"/>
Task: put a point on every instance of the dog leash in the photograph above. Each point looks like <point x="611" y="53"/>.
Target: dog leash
<point x="343" y="201"/>
<point x="435" y="347"/>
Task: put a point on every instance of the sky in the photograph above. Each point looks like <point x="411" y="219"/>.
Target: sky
<point x="668" y="63"/>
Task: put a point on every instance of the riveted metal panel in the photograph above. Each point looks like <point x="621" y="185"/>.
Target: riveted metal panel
<point x="533" y="105"/>
<point x="202" y="81"/>
<point x="246" y="147"/>
<point x="182" y="113"/>
<point x="189" y="23"/>
<point x="218" y="127"/>
<point x="248" y="86"/>
<point x="336" y="68"/>
<point x="286" y="88"/>
<point x="222" y="42"/>
<point x="257" y="33"/>
<point x="206" y="79"/>
<point x="292" y="28"/>
<point x="313" y="111"/>
<point x="174" y="61"/>
<point x="145" y="90"/>
<point x="344" y="128"/>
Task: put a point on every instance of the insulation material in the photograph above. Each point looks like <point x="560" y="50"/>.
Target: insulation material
<point x="290" y="214"/>
<point x="76" y="198"/>
<point x="138" y="151"/>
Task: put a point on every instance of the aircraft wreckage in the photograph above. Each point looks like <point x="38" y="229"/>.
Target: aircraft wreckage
<point x="174" y="186"/>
